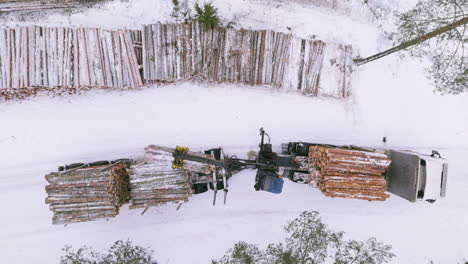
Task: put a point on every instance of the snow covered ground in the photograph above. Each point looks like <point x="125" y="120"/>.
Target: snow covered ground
<point x="391" y="98"/>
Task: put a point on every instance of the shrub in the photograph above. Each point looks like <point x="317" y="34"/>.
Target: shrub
<point x="207" y="15"/>
<point x="119" y="253"/>
<point x="181" y="11"/>
<point x="365" y="252"/>
<point x="242" y="253"/>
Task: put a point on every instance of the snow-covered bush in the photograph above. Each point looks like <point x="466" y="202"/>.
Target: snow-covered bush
<point x="242" y="253"/>
<point x="181" y="11"/>
<point x="121" y="252"/>
<point x="310" y="241"/>
<point x="370" y="251"/>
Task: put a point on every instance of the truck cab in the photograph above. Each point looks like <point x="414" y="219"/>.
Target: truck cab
<point x="417" y="177"/>
<point x="411" y="175"/>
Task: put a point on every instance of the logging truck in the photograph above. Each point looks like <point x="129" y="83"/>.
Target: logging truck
<point x="410" y="175"/>
<point x="338" y="171"/>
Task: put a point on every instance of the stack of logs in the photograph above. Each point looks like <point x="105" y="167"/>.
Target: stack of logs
<point x="349" y="173"/>
<point x="173" y="52"/>
<point x="27" y="5"/>
<point x="85" y="194"/>
<point x="153" y="185"/>
<point x="155" y="182"/>
<point x="67" y="59"/>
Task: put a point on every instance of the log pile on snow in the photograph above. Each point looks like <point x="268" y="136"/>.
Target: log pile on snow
<point x="349" y="173"/>
<point x="85" y="194"/>
<point x="69" y="60"/>
<point x="174" y="52"/>
<point x="27" y="5"/>
<point x="64" y="60"/>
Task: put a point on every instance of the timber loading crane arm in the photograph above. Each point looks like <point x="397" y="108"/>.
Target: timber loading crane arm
<point x="266" y="158"/>
<point x="267" y="163"/>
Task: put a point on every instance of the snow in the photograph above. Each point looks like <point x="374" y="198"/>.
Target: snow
<point x="391" y="98"/>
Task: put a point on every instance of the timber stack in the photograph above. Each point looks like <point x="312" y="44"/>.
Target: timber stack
<point x="155" y="181"/>
<point x="85" y="194"/>
<point x="173" y="52"/>
<point x="154" y="184"/>
<point x="68" y="60"/>
<point x="29" y="5"/>
<point x="349" y="173"/>
<point x="62" y="60"/>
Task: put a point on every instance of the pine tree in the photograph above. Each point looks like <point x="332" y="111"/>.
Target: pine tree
<point x="207" y="15"/>
<point x="439" y="29"/>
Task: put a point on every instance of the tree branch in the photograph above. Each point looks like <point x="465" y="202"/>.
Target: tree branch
<point x="415" y="41"/>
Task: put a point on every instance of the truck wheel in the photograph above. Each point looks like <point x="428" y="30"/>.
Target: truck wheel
<point x="431" y="201"/>
<point x="199" y="188"/>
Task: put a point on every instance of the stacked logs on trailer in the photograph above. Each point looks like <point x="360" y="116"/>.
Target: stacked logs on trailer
<point x="67" y="60"/>
<point x="154" y="181"/>
<point x="28" y="5"/>
<point x="173" y="52"/>
<point x="349" y="173"/>
<point x="89" y="193"/>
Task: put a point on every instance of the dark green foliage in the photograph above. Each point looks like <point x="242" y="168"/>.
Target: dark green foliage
<point x="119" y="253"/>
<point x="449" y="50"/>
<point x="207" y="15"/>
<point x="310" y="241"/>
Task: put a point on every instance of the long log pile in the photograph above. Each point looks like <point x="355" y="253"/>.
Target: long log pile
<point x="174" y="52"/>
<point x="67" y="58"/>
<point x="86" y="194"/>
<point x="27" y="5"/>
<point x="349" y="173"/>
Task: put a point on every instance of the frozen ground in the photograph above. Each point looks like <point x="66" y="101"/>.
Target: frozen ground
<point x="391" y="98"/>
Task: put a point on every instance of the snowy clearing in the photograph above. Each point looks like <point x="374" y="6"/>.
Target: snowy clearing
<point x="392" y="98"/>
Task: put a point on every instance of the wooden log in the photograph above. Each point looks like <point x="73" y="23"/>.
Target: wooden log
<point x="71" y="199"/>
<point x="357" y="196"/>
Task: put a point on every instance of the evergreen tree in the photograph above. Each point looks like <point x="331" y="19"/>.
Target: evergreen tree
<point x="207" y="15"/>
<point x="439" y="29"/>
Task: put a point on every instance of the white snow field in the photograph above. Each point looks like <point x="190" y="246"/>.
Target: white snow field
<point x="391" y="98"/>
